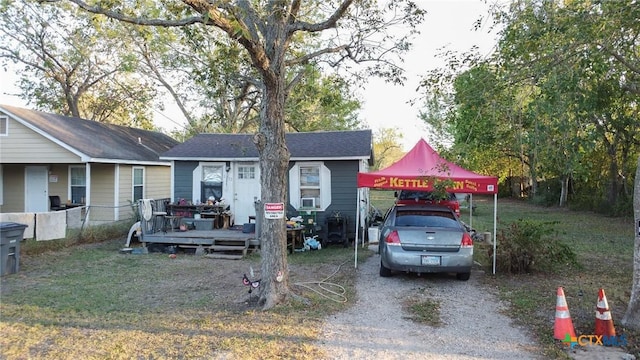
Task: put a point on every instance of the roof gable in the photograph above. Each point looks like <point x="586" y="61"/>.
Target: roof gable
<point x="310" y="145"/>
<point x="94" y="140"/>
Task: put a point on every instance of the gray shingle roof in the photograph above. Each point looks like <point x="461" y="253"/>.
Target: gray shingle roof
<point x="97" y="140"/>
<point x="319" y="144"/>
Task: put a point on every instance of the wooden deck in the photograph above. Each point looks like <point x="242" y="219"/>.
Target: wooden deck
<point x="219" y="243"/>
<point x="196" y="237"/>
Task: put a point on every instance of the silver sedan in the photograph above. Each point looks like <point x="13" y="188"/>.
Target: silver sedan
<point x="424" y="239"/>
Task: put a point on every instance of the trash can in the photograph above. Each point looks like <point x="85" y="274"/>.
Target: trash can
<point x="10" y="237"/>
<point x="373" y="233"/>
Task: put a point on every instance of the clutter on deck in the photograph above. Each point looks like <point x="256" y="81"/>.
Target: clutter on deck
<point x="208" y="228"/>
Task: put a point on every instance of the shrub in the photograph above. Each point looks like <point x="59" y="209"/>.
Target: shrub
<point x="531" y="246"/>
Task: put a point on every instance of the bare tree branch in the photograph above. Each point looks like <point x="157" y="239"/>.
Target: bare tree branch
<point x="158" y="76"/>
<point x="252" y="23"/>
<point x="294" y="10"/>
<point x="327" y="24"/>
<point x="136" y="20"/>
<point x="307" y="57"/>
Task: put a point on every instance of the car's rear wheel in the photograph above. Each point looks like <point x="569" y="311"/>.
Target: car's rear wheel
<point x="463" y="276"/>
<point x="384" y="271"/>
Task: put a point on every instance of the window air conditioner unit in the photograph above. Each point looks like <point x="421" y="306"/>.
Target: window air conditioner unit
<point x="308" y="203"/>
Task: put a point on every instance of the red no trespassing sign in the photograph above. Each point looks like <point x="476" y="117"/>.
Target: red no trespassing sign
<point x="274" y="210"/>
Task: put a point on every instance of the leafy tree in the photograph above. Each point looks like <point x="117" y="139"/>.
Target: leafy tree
<point x="206" y="74"/>
<point x="386" y="147"/>
<point x="552" y="96"/>
<point x="319" y="102"/>
<point x="73" y="64"/>
<point x="481" y="115"/>
<point x="210" y="78"/>
<point x="560" y="48"/>
<point x="266" y="31"/>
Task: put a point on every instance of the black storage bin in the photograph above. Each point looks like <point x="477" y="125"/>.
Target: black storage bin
<point x="248" y="228"/>
<point x="336" y="230"/>
<point x="11" y="235"/>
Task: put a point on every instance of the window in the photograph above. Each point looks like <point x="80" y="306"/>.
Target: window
<point x="4" y="126"/>
<point x="310" y="186"/>
<point x="247" y="172"/>
<point x="138" y="183"/>
<point x="78" y="176"/>
<point x="211" y="184"/>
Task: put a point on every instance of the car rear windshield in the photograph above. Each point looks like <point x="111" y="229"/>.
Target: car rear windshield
<point x="425" y="218"/>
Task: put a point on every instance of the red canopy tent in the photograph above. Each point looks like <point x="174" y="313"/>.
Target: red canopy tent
<point x="419" y="168"/>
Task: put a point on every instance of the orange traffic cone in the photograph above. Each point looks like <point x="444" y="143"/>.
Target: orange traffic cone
<point x="563" y="325"/>
<point x="604" y="323"/>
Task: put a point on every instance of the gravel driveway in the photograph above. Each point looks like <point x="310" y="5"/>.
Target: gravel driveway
<point x="474" y="326"/>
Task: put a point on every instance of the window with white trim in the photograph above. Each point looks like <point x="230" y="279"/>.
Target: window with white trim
<point x="211" y="184"/>
<point x="78" y="183"/>
<point x="138" y="184"/>
<point x="4" y="125"/>
<point x="310" y="186"/>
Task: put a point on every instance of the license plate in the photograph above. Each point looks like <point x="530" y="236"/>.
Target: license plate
<point x="431" y="260"/>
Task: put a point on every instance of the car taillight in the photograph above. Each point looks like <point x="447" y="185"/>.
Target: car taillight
<point x="393" y="238"/>
<point x="467" y="241"/>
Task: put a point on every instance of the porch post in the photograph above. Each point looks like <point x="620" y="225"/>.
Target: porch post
<point x="87" y="175"/>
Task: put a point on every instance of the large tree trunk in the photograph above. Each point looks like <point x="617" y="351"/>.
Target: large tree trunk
<point x="274" y="165"/>
<point x="632" y="317"/>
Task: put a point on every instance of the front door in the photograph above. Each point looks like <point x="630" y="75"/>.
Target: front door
<point x="36" y="189"/>
<point x="247" y="191"/>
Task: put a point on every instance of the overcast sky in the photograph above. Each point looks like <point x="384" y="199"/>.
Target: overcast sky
<point x="448" y="24"/>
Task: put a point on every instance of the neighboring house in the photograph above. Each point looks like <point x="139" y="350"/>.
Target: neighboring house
<point x="322" y="178"/>
<point x="101" y="166"/>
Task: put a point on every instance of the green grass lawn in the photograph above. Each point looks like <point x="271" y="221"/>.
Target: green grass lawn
<point x="604" y="249"/>
<point x="90" y="302"/>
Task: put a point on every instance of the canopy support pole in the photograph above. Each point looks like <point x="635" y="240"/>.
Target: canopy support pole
<point x="355" y="242"/>
<point x="495" y="228"/>
<point x="471" y="211"/>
